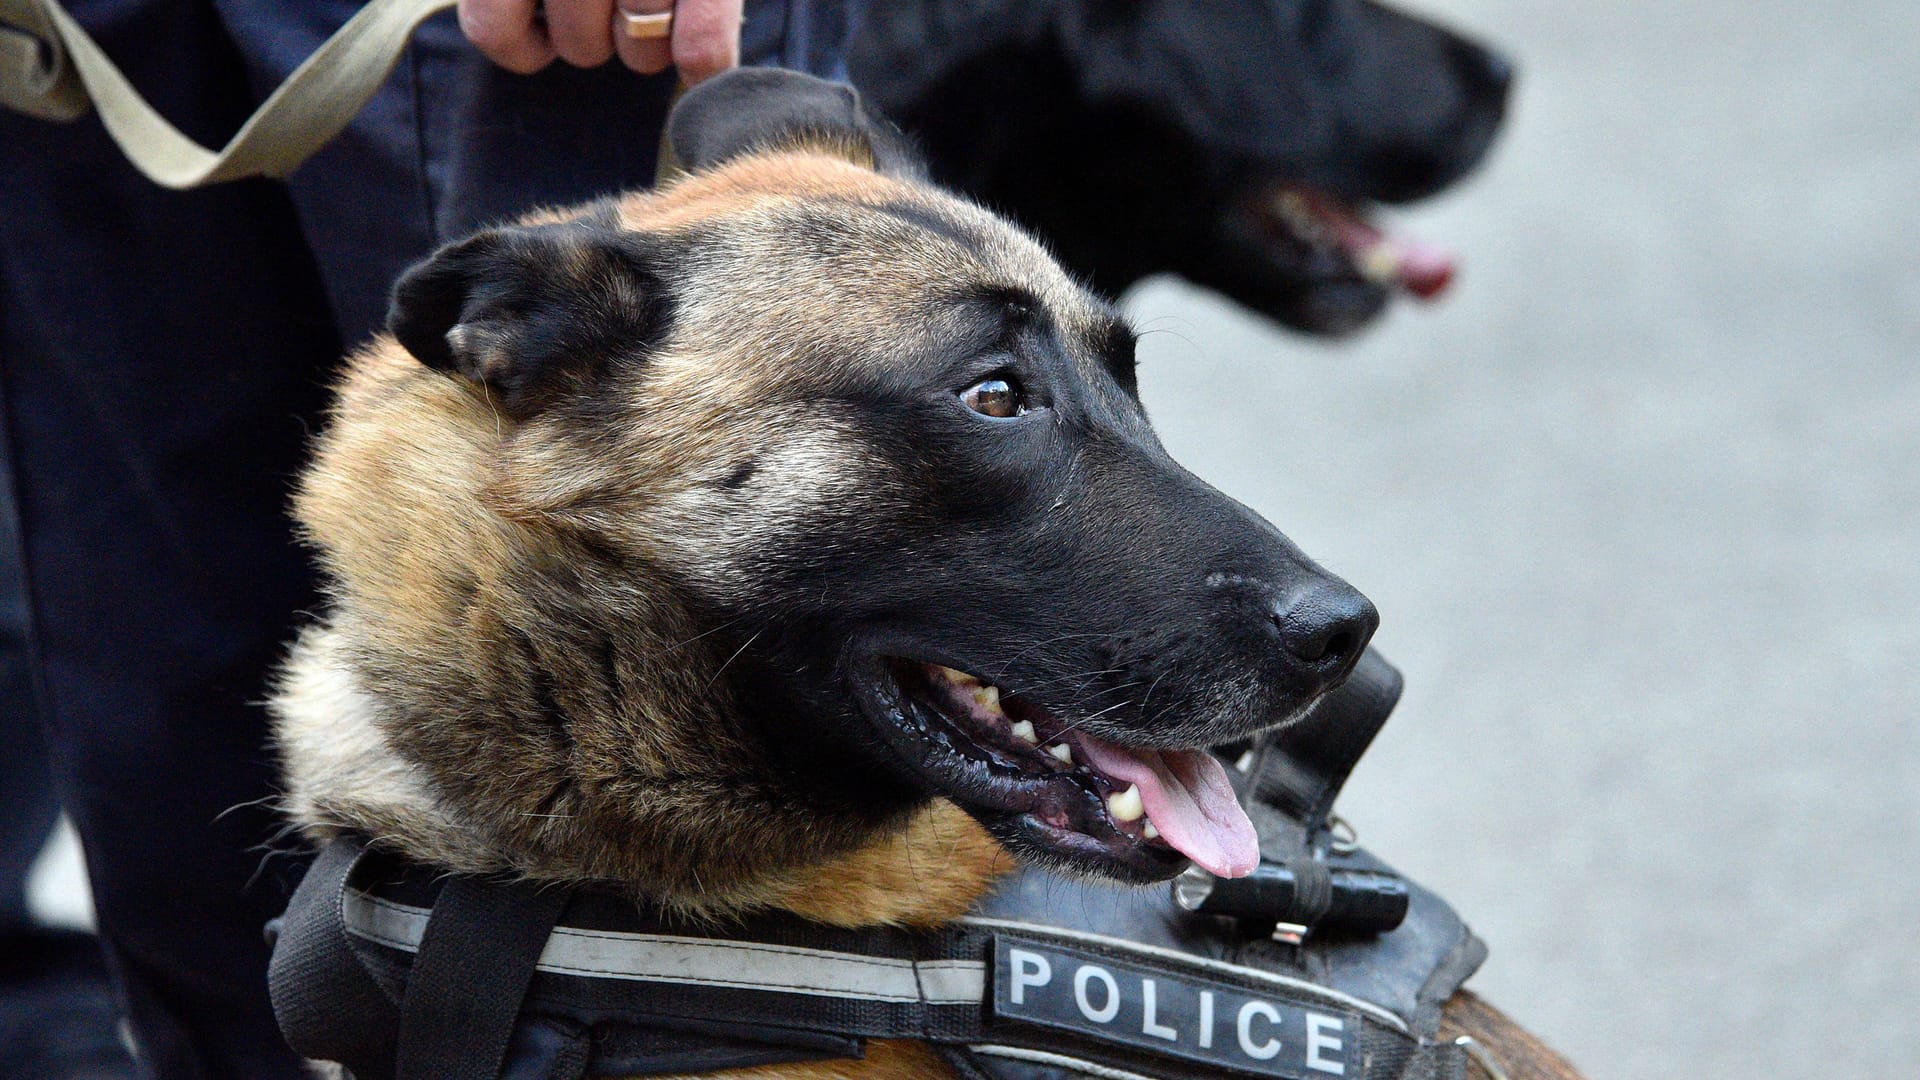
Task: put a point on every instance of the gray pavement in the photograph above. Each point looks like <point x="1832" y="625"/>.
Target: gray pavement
<point x="1640" y="505"/>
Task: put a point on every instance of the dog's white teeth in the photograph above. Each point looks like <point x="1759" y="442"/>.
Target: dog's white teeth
<point x="1126" y="805"/>
<point x="987" y="697"/>
<point x="1025" y="733"/>
<point x="955" y="677"/>
<point x="1380" y="265"/>
<point x="1149" y="831"/>
<point x="1293" y="207"/>
<point x="1062" y="751"/>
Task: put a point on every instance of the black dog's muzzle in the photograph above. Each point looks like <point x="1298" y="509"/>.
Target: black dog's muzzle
<point x="1326" y="964"/>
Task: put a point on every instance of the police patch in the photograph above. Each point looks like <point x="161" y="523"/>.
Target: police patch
<point x="1185" y="1015"/>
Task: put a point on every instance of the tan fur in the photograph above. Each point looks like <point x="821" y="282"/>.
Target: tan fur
<point x="504" y="680"/>
<point x="925" y="876"/>
<point x="342" y="775"/>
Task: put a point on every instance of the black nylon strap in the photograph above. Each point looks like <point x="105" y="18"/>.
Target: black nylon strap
<point x="1313" y="891"/>
<point x="476" y="959"/>
<point x="328" y="1006"/>
<point x="1303" y="766"/>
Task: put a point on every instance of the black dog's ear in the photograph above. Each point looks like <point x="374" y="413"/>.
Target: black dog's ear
<point x="902" y="56"/>
<point x="537" y="313"/>
<point x="758" y="109"/>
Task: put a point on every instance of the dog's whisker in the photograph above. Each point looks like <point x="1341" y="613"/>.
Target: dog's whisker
<point x="1159" y="715"/>
<point x="1041" y="644"/>
<point x="1176" y="335"/>
<point x="486" y="394"/>
<point x="264" y="800"/>
<point x="1077" y="724"/>
<point x="1087" y="697"/>
<point x="1105" y="711"/>
<point x="736" y="655"/>
<point x="1032" y="686"/>
<point x="688" y="641"/>
<point x="1148" y="696"/>
<point x="1092" y="695"/>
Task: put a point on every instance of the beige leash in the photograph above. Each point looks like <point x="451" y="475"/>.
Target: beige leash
<point x="51" y="68"/>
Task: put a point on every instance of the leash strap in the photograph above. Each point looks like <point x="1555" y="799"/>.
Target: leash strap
<point x="1300" y="769"/>
<point x="51" y="68"/>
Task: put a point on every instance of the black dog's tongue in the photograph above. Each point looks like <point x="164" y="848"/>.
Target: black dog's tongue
<point x="1423" y="269"/>
<point x="1189" y="799"/>
<point x="1388" y="260"/>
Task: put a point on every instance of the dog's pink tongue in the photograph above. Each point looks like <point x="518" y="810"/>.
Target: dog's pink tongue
<point x="1191" y="802"/>
<point x="1423" y="269"/>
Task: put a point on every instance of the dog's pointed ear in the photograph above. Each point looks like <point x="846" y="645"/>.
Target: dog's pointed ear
<point x="760" y="109"/>
<point x="536" y="313"/>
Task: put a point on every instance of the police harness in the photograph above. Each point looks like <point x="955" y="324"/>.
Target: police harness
<point x="1325" y="963"/>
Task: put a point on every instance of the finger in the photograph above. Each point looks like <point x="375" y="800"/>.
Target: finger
<point x="581" y="30"/>
<point x="706" y="38"/>
<point x="644" y="55"/>
<point x="507" y="33"/>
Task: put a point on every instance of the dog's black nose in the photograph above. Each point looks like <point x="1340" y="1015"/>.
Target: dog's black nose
<point x="1498" y="71"/>
<point x="1486" y="74"/>
<point x="1326" y="627"/>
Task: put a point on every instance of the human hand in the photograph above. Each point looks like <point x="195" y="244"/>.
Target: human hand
<point x="526" y="35"/>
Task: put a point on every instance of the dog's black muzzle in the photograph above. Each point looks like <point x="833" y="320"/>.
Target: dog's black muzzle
<point x="1203" y="615"/>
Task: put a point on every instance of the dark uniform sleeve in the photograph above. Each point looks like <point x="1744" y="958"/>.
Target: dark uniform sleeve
<point x="163" y="358"/>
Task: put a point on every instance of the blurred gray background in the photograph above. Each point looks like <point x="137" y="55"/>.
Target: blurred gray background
<point x="1639" y="504"/>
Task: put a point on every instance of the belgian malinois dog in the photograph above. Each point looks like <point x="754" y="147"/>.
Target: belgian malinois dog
<point x="791" y="537"/>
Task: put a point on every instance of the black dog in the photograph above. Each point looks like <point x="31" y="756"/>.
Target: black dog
<point x="1233" y="143"/>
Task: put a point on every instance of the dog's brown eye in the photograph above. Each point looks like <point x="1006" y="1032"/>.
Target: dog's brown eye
<point x="994" y="397"/>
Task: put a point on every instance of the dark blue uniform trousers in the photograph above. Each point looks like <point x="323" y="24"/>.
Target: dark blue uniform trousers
<point x="163" y="359"/>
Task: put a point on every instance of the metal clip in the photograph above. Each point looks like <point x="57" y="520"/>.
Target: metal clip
<point x="1482" y="1057"/>
<point x="1287" y="933"/>
<point x="1344" y="839"/>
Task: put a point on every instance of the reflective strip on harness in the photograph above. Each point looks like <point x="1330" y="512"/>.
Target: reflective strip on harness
<point x="696" y="961"/>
